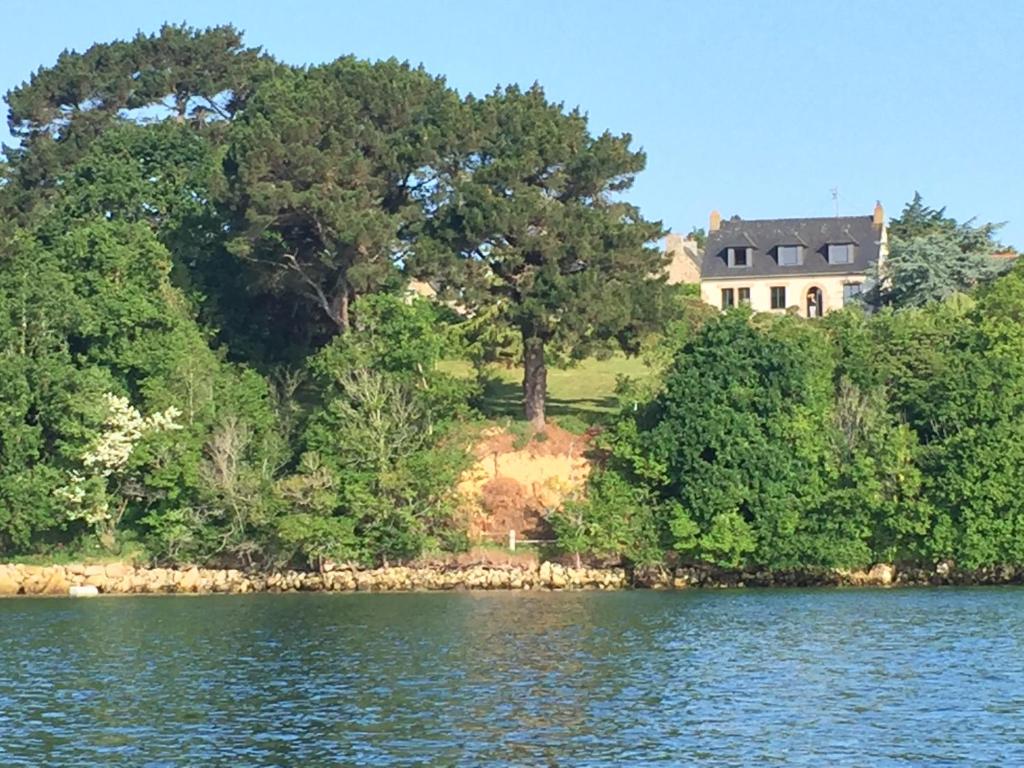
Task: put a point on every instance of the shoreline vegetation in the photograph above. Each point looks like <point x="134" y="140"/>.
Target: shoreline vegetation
<point x="21" y="580"/>
<point x="275" y="316"/>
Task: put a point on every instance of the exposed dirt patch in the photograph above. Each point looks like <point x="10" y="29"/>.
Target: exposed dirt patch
<point x="518" y="480"/>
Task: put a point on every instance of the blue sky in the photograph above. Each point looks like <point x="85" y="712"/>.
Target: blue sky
<point x="753" y="108"/>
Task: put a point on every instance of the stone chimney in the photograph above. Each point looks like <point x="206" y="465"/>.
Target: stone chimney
<point x="879" y="217"/>
<point x="716" y="222"/>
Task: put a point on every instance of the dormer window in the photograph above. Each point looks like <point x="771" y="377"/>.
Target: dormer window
<point x="739" y="257"/>
<point x="790" y="255"/>
<point x="840" y="253"/>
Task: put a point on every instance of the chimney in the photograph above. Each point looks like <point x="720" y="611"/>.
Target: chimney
<point x="716" y="221"/>
<point x="879" y="218"/>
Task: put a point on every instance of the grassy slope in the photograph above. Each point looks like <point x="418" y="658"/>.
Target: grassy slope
<point x="586" y="390"/>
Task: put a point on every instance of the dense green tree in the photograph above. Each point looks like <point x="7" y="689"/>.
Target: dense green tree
<point x="201" y="76"/>
<point x="381" y="438"/>
<point x="44" y="396"/>
<point x="742" y="428"/>
<point x="94" y="313"/>
<point x="327" y="174"/>
<point x="535" y="227"/>
<point x="932" y="256"/>
<point x="959" y="381"/>
<point x="157" y="174"/>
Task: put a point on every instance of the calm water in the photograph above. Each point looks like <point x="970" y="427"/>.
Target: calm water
<point x="907" y="677"/>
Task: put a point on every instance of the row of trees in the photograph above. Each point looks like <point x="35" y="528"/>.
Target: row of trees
<point x="207" y="352"/>
<point x="780" y="443"/>
<point x="290" y="193"/>
<point x="205" y="347"/>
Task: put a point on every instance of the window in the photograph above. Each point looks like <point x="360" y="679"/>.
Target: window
<point x="778" y="297"/>
<point x="744" y="295"/>
<point x="851" y="291"/>
<point x="790" y="255"/>
<point x="739" y="257"/>
<point x="728" y="298"/>
<point x="840" y="254"/>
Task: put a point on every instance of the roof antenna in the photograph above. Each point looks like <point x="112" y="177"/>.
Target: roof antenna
<point x="835" y="199"/>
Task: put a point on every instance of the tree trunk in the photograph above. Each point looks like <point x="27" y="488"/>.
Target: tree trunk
<point x="337" y="309"/>
<point x="535" y="381"/>
<point x="343" y="311"/>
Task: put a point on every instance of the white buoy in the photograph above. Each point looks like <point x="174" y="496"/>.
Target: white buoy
<point x="85" y="590"/>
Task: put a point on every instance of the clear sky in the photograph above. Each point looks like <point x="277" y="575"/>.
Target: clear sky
<point x="753" y="108"/>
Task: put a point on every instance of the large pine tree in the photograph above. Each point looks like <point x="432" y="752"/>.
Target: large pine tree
<point x="328" y="171"/>
<point x="536" y="231"/>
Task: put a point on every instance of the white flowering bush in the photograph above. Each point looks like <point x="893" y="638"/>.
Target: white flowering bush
<point x="96" y="493"/>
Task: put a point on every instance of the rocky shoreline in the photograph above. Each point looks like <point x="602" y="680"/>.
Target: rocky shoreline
<point x="126" y="579"/>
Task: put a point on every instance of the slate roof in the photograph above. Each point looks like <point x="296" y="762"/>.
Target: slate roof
<point x="763" y="236"/>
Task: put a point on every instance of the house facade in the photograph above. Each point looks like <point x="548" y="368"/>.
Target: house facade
<point x="684" y="259"/>
<point x="810" y="266"/>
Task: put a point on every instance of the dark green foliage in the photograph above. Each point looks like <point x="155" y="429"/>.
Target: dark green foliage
<point x="379" y="444"/>
<point x="931" y="257"/>
<point x="328" y="172"/>
<point x="536" y="231"/>
<point x="742" y="429"/>
<point x="382" y="433"/>
<point x="841" y="443"/>
<point x="213" y="250"/>
<point x="615" y="520"/>
<point x="199" y="76"/>
<point x="117" y="326"/>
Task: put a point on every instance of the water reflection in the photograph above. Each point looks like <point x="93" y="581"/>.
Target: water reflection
<point x="917" y="677"/>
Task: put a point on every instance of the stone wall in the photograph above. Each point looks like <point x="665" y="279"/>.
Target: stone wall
<point x="122" y="579"/>
<point x="125" y="579"/>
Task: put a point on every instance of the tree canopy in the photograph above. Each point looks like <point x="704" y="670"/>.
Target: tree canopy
<point x="536" y="228"/>
<point x="210" y="350"/>
<point x="932" y="256"/>
<point x="328" y="172"/>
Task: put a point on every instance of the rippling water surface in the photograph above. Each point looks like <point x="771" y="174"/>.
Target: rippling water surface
<point x="901" y="677"/>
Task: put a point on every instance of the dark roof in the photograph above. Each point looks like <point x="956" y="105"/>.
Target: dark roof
<point x="763" y="236"/>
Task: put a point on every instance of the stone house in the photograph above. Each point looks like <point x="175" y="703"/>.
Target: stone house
<point x="685" y="257"/>
<point x="811" y="266"/>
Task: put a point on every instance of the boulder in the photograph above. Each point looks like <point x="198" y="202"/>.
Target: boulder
<point x="189" y="581"/>
<point x="559" y="578"/>
<point x="57" y="583"/>
<point x="882" y="574"/>
<point x="118" y="570"/>
<point x="544" y="575"/>
<point x="10" y="583"/>
<point x="98" y="580"/>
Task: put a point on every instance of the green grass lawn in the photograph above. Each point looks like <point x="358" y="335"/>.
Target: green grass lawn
<point x="587" y="390"/>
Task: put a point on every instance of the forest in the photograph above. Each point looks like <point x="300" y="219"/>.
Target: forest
<point x="210" y="352"/>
